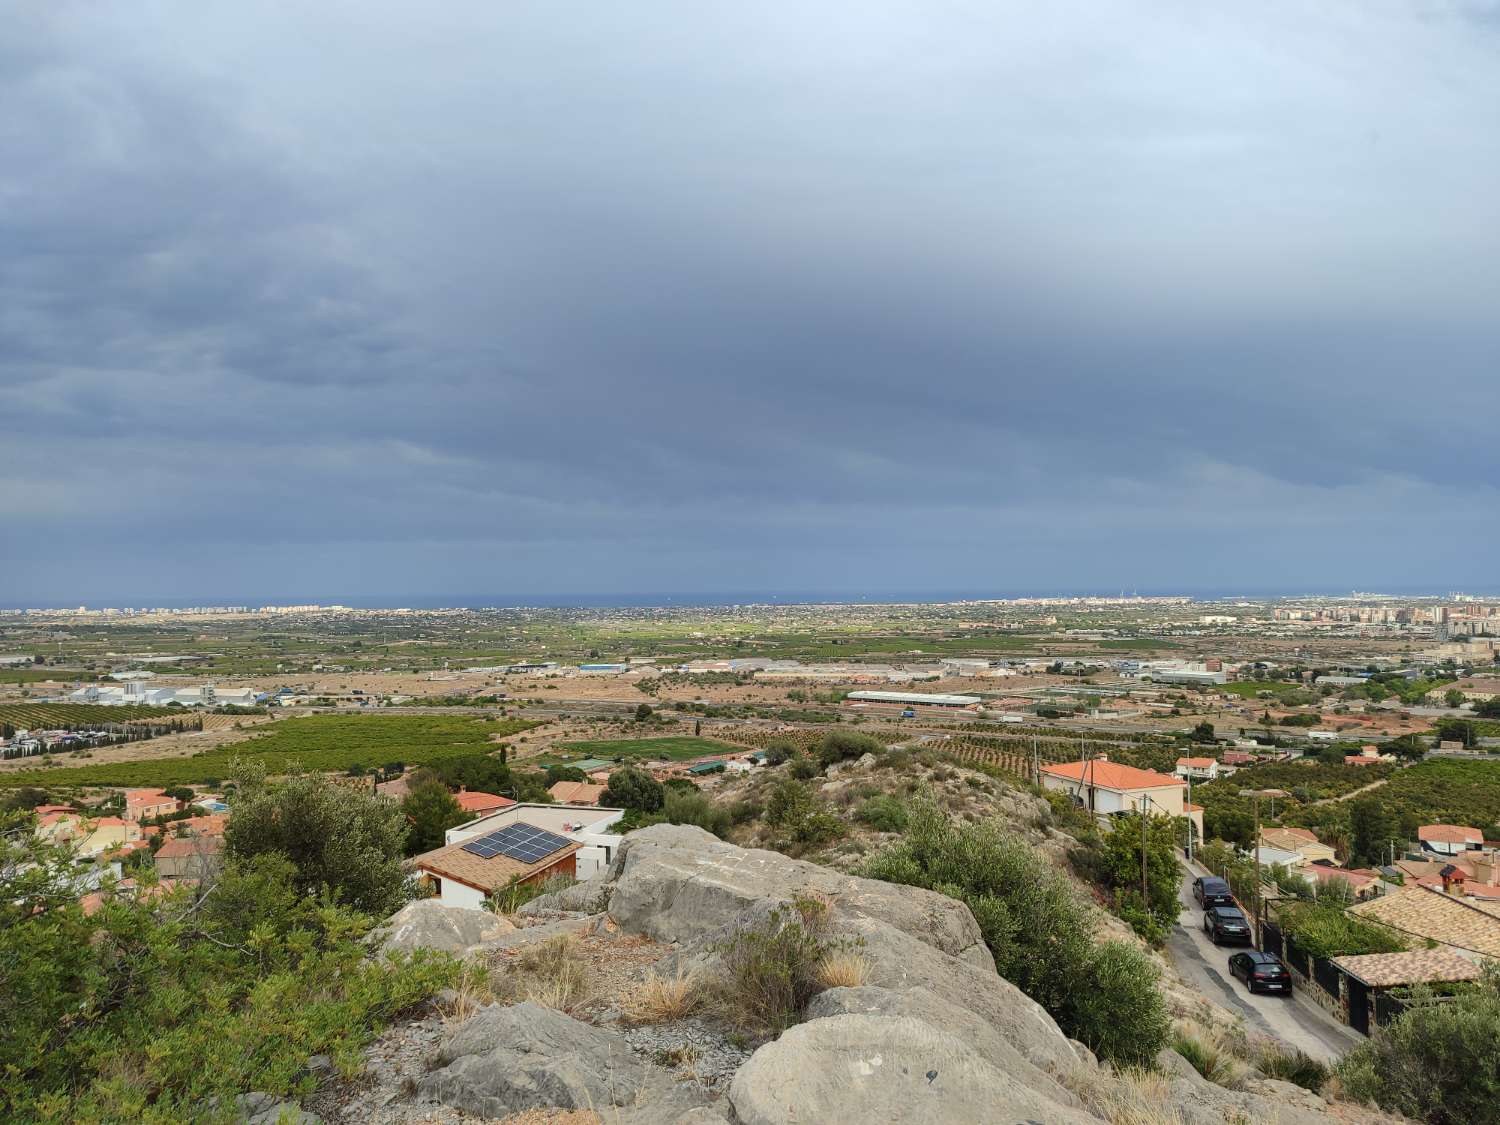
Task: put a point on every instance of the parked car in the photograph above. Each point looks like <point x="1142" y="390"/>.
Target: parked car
<point x="1226" y="924"/>
<point x="1210" y="890"/>
<point x="1261" y="972"/>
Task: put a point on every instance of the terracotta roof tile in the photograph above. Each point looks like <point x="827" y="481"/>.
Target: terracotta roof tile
<point x="1429" y="913"/>
<point x="1386" y="970"/>
<point x="1450" y="834"/>
<point x="487" y="875"/>
<point x="577" y="793"/>
<point x="1112" y="775"/>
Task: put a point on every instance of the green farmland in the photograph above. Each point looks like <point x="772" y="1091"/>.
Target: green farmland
<point x="674" y="749"/>
<point x="76" y="716"/>
<point x="316" y="743"/>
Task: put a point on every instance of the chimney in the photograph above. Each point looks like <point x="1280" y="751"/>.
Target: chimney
<point x="1453" y="880"/>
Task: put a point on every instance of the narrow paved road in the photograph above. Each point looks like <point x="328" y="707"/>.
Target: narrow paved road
<point x="1294" y="1020"/>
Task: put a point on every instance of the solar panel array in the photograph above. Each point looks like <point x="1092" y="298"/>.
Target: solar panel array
<point x="523" y="843"/>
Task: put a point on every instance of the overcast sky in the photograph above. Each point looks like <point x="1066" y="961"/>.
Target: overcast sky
<point x="359" y="298"/>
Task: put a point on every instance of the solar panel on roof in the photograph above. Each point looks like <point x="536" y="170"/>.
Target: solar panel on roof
<point x="524" y="843"/>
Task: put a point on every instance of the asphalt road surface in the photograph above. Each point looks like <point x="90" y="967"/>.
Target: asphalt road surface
<point x="1294" y="1020"/>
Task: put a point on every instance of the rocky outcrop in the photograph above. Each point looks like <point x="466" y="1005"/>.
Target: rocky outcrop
<point x="524" y="1056"/>
<point x="855" y="1069"/>
<point x="934" y="1035"/>
<point x="429" y="924"/>
<point x="678" y="883"/>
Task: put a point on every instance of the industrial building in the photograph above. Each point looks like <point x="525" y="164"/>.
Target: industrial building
<point x="913" y="700"/>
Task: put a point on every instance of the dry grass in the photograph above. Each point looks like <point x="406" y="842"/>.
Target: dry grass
<point x="552" y="973"/>
<point x="1210" y="1052"/>
<point x="843" y="970"/>
<point x="1127" y="1097"/>
<point x="659" y="999"/>
<point x="470" y="993"/>
<point x="553" y="1117"/>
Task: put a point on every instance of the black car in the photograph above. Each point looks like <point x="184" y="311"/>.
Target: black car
<point x="1226" y="924"/>
<point x="1261" y="972"/>
<point x="1210" y="890"/>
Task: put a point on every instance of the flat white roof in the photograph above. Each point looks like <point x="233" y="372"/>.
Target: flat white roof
<point x="915" y="697"/>
<point x="554" y="818"/>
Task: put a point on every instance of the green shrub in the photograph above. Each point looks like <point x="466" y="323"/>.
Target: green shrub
<point x="146" y="1009"/>
<point x="771" y="970"/>
<point x="340" y="841"/>
<point x="883" y="813"/>
<point x="1208" y="1058"/>
<point x="838" y="745"/>
<point x="686" y="808"/>
<point x="799" y="818"/>
<point x="1038" y="928"/>
<point x="1327" y="931"/>
<point x="1292" y="1065"/>
<point x="630" y="788"/>
<point x="780" y="750"/>
<point x="1437" y="1062"/>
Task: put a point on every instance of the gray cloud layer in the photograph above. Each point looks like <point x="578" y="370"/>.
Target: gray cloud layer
<point x="356" y="298"/>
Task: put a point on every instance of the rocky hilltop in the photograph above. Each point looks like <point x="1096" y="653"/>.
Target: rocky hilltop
<point x="923" y="1029"/>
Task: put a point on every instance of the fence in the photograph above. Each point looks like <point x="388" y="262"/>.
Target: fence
<point x="1327" y="975"/>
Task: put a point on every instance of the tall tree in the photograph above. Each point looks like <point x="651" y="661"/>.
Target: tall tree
<point x="430" y="811"/>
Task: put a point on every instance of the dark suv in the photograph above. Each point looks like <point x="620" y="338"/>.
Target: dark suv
<point x="1226" y="924"/>
<point x="1210" y="890"/>
<point x="1261" y="972"/>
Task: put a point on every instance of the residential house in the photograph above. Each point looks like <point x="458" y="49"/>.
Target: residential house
<point x="1109" y="788"/>
<point x="1429" y="913"/>
<point x="1365" y="977"/>
<point x="476" y="803"/>
<point x="1299" y="840"/>
<point x="577" y="792"/>
<point x="189" y="857"/>
<point x="1237" y="758"/>
<point x="143" y="804"/>
<point x="92" y="835"/>
<point x="589" y="827"/>
<point x="1449" y="839"/>
<point x="1362" y="883"/>
<point x="1199" y="769"/>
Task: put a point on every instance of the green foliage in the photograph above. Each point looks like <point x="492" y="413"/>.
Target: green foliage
<point x="1208" y="1059"/>
<point x="1120" y="866"/>
<point x="630" y="788"/>
<point x="780" y="750"/>
<point x="1325" y="930"/>
<point x="516" y="894"/>
<point x="838" y="745"/>
<point x="1039" y="930"/>
<point x="1447" y="791"/>
<point x="1372" y="829"/>
<point x="771" y="970"/>
<point x="800" y="820"/>
<point x="430" y="811"/>
<point x="1437" y="1062"/>
<point x="146" y="1010"/>
<point x="1291" y="1065"/>
<point x="883" y="813"/>
<point x="673" y="748"/>
<point x="342" y="843"/>
<point x="318" y="742"/>
<point x="484" y="773"/>
<point x="688" y="806"/>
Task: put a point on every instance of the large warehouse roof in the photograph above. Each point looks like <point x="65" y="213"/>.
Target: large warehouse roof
<point x="930" y="698"/>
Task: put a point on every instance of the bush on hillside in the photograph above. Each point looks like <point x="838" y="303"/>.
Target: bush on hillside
<point x="430" y="811"/>
<point x="1039" y="930"/>
<point x="146" y="1009"/>
<point x="681" y="807"/>
<point x="772" y="970"/>
<point x="341" y="842"/>
<point x="1437" y="1062"/>
<point x="839" y="745"/>
<point x="883" y="813"/>
<point x="631" y="788"/>
<point x="799" y="819"/>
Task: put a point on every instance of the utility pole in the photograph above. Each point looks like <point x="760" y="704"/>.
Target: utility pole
<point x="1190" y="815"/>
<point x="1145" y="897"/>
<point x="1259" y="896"/>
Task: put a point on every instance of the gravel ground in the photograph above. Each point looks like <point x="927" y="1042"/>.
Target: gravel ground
<point x="694" y="1050"/>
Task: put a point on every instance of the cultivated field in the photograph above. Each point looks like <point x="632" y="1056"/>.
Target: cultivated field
<point x="79" y="716"/>
<point x="319" y="742"/>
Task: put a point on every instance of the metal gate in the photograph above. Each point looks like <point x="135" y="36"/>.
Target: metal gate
<point x="1270" y="938"/>
<point x="1387" y="1008"/>
<point x="1296" y="957"/>
<point x="1327" y="975"/>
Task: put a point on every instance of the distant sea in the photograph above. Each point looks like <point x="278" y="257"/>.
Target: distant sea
<point x="708" y="599"/>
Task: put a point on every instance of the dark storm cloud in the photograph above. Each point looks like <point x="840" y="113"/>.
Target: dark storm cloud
<point x="694" y="296"/>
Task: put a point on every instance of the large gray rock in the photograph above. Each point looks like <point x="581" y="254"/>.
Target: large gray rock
<point x="261" y="1108"/>
<point x="900" y="962"/>
<point x="507" y="1059"/>
<point x="1201" y="1102"/>
<point x="429" y="924"/>
<point x="855" y="1069"/>
<point x="679" y="883"/>
<point x="589" y="897"/>
<point x="982" y="1035"/>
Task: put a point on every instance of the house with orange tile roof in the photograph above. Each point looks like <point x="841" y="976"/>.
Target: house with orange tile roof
<point x="189" y="857"/>
<point x="577" y="793"/>
<point x="1299" y="840"/>
<point x="1110" y="788"/>
<point x="143" y="804"/>
<point x="1449" y="839"/>
<point x="481" y="804"/>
